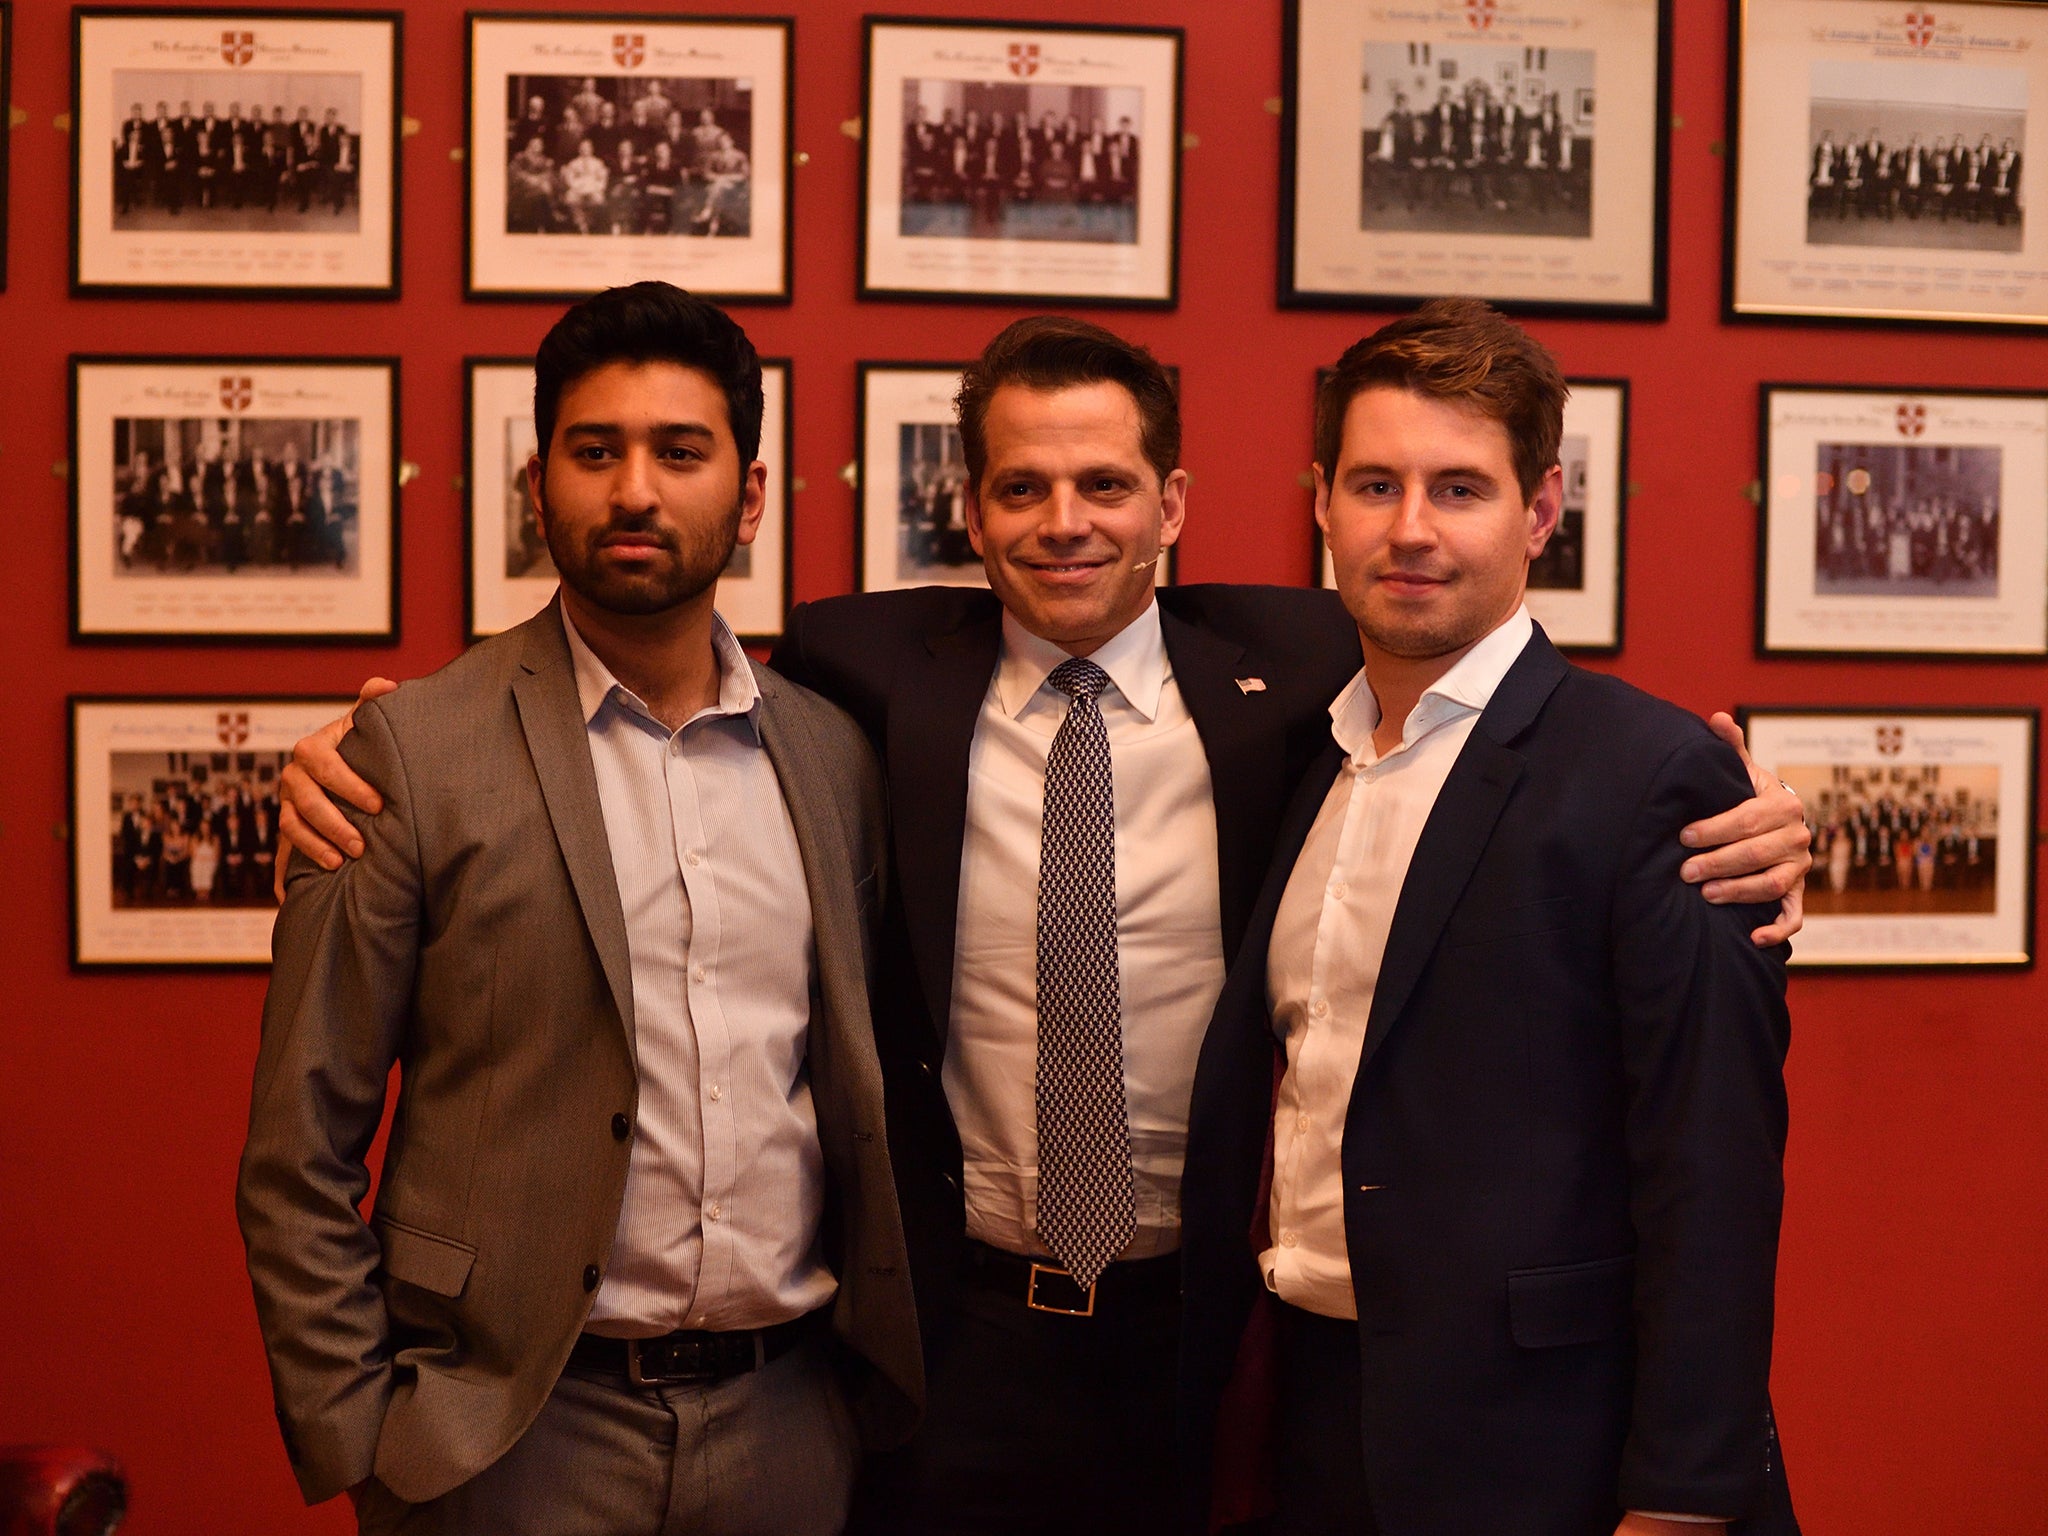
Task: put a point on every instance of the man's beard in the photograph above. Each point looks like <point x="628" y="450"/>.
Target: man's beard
<point x="695" y="560"/>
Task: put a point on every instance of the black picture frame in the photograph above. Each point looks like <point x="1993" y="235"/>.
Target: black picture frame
<point x="757" y="618"/>
<point x="93" y="609"/>
<point x="267" y="285"/>
<point x="708" y="281"/>
<point x="876" y="245"/>
<point x="223" y="938"/>
<point x="1938" y="542"/>
<point x="1837" y="728"/>
<point x="1507" y="284"/>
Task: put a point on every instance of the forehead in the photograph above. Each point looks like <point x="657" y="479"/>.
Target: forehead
<point x="643" y="394"/>
<point x="1394" y="427"/>
<point x="1100" y="419"/>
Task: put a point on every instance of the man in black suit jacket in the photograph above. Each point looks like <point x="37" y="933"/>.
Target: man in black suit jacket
<point x="1522" y="1216"/>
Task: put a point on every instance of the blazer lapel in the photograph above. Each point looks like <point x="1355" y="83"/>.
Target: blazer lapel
<point x="1245" y="767"/>
<point x="551" y="715"/>
<point x="1457" y="831"/>
<point x="933" y="707"/>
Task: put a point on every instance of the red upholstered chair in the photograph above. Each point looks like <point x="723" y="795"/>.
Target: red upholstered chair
<point x="60" y="1490"/>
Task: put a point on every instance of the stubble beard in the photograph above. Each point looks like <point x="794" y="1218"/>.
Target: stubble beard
<point x="694" y="562"/>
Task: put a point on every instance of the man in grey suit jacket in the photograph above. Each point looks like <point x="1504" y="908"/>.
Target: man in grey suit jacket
<point x="635" y="1260"/>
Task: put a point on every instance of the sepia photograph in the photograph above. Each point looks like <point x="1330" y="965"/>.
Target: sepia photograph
<point x="511" y="576"/>
<point x="1513" y="152"/>
<point x="1028" y="163"/>
<point x="235" y="153"/>
<point x="1477" y="138"/>
<point x="610" y="149"/>
<point x="174" y="842"/>
<point x="1923" y="831"/>
<point x="1902" y="522"/>
<point x="1904" y="155"/>
<point x="234" y="498"/>
<point x="1010" y="160"/>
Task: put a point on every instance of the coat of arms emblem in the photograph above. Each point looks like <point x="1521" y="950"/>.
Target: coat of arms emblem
<point x="629" y="49"/>
<point x="1912" y="420"/>
<point x="233" y="725"/>
<point x="1023" y="58"/>
<point x="236" y="393"/>
<point x="238" y="48"/>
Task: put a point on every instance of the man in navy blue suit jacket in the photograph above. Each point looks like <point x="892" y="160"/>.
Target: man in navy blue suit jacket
<point x="1520" y="1226"/>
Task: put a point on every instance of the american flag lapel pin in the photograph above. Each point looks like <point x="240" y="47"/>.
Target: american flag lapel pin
<point x="1251" y="685"/>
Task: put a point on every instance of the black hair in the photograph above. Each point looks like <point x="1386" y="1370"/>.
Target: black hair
<point x="648" y="323"/>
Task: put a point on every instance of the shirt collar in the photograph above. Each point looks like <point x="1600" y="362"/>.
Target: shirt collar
<point x="1134" y="658"/>
<point x="1467" y="688"/>
<point x="738" y="694"/>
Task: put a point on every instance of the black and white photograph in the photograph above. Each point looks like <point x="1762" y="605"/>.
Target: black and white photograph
<point x="1460" y="150"/>
<point x="232" y="152"/>
<point x="511" y="575"/>
<point x="1575" y="587"/>
<point x="233" y="498"/>
<point x="914" y="485"/>
<point x="1478" y="138"/>
<point x="1904" y="155"/>
<point x="1923" y="831"/>
<point x="1016" y="162"/>
<point x="1010" y="160"/>
<point x="1877" y="162"/>
<point x="610" y="149"/>
<point x="1900" y="522"/>
<point x="174" y="841"/>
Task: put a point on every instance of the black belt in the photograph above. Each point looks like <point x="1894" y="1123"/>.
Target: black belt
<point x="689" y="1358"/>
<point x="1044" y="1285"/>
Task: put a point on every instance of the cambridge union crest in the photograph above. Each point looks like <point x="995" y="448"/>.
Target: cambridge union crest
<point x="236" y="393"/>
<point x="1912" y="420"/>
<point x="629" y="49"/>
<point x="233" y="726"/>
<point x="238" y="48"/>
<point x="1024" y="59"/>
<point x="1920" y="26"/>
<point x="1891" y="740"/>
<point x="1481" y="13"/>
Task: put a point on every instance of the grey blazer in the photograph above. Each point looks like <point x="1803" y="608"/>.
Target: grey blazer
<point x="479" y="944"/>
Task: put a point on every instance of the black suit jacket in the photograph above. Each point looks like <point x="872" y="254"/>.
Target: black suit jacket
<point x="913" y="668"/>
<point x="1562" y="1153"/>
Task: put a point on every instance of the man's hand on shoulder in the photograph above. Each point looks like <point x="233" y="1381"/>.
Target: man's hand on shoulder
<point x="306" y="817"/>
<point x="1757" y="851"/>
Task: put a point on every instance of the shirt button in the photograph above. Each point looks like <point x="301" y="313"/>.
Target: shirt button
<point x="1301" y="1122"/>
<point x="590" y="1277"/>
<point x="717" y="1093"/>
<point x="1288" y="1238"/>
<point x="696" y="973"/>
<point x="1339" y="891"/>
<point x="712" y="1210"/>
<point x="693" y="858"/>
<point x="1320" y="1008"/>
<point x="620" y="1126"/>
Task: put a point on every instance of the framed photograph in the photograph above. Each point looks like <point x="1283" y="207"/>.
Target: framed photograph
<point x="1454" y="149"/>
<point x="1007" y="160"/>
<point x="234" y="499"/>
<point x="1902" y="523"/>
<point x="510" y="575"/>
<point x="174" y="826"/>
<point x="232" y="153"/>
<point x="609" y="149"/>
<point x="1874" y="161"/>
<point x="913" y="483"/>
<point x="1923" y="831"/>
<point x="1575" y="586"/>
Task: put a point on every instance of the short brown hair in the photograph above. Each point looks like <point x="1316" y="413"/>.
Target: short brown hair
<point x="1460" y="350"/>
<point x="1060" y="352"/>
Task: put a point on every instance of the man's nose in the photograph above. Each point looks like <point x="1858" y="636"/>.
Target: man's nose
<point x="1067" y="514"/>
<point x="633" y="484"/>
<point x="1413" y="526"/>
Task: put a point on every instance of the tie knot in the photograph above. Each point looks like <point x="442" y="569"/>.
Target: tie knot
<point x="1079" y="679"/>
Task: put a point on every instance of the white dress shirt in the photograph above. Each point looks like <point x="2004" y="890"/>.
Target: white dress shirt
<point x="1329" y="937"/>
<point x="1169" y="929"/>
<point x="726" y="1185"/>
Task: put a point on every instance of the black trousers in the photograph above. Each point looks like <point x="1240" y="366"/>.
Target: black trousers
<point x="1039" y="1422"/>
<point x="1318" y="1451"/>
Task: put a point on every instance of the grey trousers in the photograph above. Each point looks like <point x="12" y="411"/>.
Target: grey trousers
<point x="769" y="1453"/>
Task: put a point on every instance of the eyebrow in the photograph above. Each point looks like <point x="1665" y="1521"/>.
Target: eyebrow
<point x="661" y="429"/>
<point x="1449" y="472"/>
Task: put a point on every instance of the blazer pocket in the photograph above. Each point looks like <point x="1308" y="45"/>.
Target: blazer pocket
<point x="1571" y="1303"/>
<point x="1490" y="925"/>
<point x="436" y="1264"/>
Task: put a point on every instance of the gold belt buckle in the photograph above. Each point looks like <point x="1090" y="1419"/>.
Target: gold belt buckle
<point x="1053" y="1271"/>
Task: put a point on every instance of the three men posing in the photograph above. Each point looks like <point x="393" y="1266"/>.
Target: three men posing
<point x="1086" y="782"/>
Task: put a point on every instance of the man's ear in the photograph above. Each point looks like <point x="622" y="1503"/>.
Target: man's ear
<point x="973" y="509"/>
<point x="1545" y="507"/>
<point x="536" y="478"/>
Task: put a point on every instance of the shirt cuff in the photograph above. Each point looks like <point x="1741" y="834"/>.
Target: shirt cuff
<point x="1653" y="1514"/>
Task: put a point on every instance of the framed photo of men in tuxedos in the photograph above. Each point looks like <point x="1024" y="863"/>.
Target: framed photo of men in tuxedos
<point x="913" y="487"/>
<point x="607" y="149"/>
<point x="231" y="499"/>
<point x="234" y="153"/>
<point x="1577" y="584"/>
<point x="1455" y="149"/>
<point x="174" y="826"/>
<point x="1923" y="831"/>
<point x="1011" y="161"/>
<point x="511" y="576"/>
<point x="1876" y="162"/>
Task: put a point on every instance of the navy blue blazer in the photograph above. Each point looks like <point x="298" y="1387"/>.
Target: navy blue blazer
<point x="1563" y="1152"/>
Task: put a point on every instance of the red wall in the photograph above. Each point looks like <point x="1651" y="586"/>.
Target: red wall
<point x="1913" y="1335"/>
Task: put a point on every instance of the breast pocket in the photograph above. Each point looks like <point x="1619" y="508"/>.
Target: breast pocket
<point x="1493" y="924"/>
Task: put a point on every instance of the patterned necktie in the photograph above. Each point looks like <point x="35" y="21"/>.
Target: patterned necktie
<point x="1085" y="1209"/>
